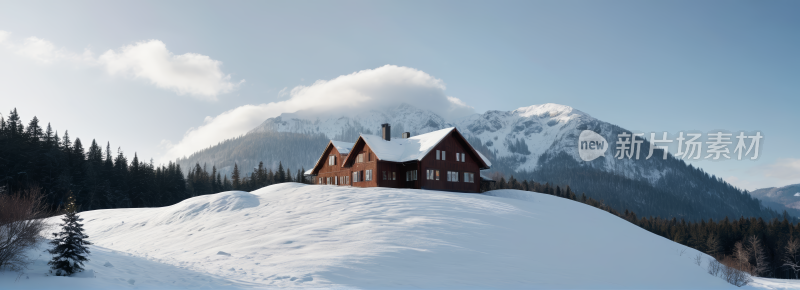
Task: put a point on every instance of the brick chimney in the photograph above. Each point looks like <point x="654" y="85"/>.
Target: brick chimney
<point x="386" y="132"/>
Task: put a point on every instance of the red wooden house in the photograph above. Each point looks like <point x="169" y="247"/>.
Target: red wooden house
<point x="439" y="160"/>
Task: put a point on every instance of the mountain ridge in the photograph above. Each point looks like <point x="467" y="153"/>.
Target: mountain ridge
<point x="537" y="142"/>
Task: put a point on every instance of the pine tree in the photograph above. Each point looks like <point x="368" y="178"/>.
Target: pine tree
<point x="34" y="131"/>
<point x="66" y="144"/>
<point x="281" y="175"/>
<point x="14" y="124"/>
<point x="69" y="245"/>
<point x="288" y="175"/>
<point x="227" y="184"/>
<point x="300" y="178"/>
<point x="214" y="186"/>
<point x="235" y="177"/>
<point x="47" y="135"/>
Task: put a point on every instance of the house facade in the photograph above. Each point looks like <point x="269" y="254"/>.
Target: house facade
<point x="439" y="160"/>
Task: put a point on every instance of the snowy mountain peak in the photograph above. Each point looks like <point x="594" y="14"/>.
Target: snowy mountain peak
<point x="348" y="125"/>
<point x="549" y="110"/>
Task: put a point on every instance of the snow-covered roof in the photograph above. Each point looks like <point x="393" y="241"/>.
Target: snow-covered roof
<point x="409" y="149"/>
<point x="343" y="147"/>
<point x="486" y="178"/>
<point x="484" y="158"/>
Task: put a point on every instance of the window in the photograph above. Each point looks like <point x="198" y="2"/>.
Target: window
<point x="443" y="155"/>
<point x="327" y="180"/>
<point x="369" y="175"/>
<point x="469" y="177"/>
<point x="429" y="174"/>
<point x="360" y="158"/>
<point x="331" y="160"/>
<point x="411" y="175"/>
<point x="336" y="180"/>
<point x="320" y="180"/>
<point x="457" y="155"/>
<point x="463" y="157"/>
<point x="394" y="176"/>
<point x="355" y="176"/>
<point x="452" y="176"/>
<point x="437" y="155"/>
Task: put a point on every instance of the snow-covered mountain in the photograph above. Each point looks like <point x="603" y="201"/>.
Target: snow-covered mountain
<point x="404" y="118"/>
<point x="516" y="138"/>
<point x="532" y="143"/>
<point x="327" y="237"/>
<point x="788" y="195"/>
<point x="780" y="198"/>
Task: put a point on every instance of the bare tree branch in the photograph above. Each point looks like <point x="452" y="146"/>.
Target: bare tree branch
<point x="21" y="225"/>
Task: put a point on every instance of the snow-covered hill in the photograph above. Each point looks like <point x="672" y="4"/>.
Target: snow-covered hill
<point x="315" y="236"/>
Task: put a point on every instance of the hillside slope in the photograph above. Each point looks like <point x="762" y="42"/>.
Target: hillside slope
<point x="780" y="198"/>
<point x="294" y="235"/>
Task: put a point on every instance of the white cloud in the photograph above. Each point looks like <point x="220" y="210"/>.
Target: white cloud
<point x="782" y="172"/>
<point x="784" y="169"/>
<point x="378" y="88"/>
<point x="284" y="92"/>
<point x="188" y="73"/>
<point x="4" y="35"/>
<point x="41" y="50"/>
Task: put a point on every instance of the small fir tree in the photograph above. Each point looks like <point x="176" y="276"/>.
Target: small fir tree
<point x="69" y="245"/>
<point x="281" y="175"/>
<point x="236" y="178"/>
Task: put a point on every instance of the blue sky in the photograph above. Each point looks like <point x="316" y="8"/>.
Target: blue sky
<point x="644" y="65"/>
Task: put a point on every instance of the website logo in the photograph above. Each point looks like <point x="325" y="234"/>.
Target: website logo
<point x="591" y="145"/>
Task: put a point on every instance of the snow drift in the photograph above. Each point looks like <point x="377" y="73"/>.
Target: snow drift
<point x="316" y="236"/>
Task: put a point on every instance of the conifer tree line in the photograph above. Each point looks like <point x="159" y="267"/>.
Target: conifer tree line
<point x="199" y="181"/>
<point x="762" y="248"/>
<point x="291" y="150"/>
<point x="34" y="155"/>
<point x="684" y="191"/>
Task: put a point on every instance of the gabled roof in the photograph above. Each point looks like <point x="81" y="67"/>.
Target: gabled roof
<point x="411" y="149"/>
<point x="342" y="147"/>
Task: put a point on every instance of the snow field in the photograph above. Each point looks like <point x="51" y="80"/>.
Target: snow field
<point x="316" y="236"/>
